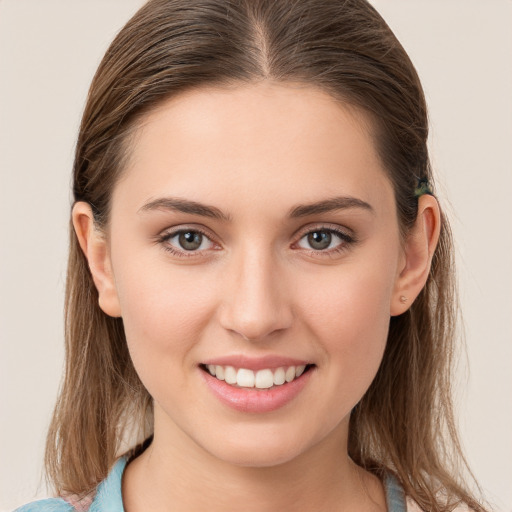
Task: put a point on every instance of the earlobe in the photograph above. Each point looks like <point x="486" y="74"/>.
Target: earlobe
<point x="95" y="248"/>
<point x="418" y="251"/>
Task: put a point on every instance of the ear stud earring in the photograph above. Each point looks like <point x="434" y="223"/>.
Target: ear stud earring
<point x="403" y="299"/>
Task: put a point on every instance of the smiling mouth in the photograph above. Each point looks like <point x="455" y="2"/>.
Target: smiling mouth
<point x="266" y="378"/>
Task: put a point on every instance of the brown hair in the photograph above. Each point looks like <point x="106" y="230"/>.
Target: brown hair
<point x="405" y="421"/>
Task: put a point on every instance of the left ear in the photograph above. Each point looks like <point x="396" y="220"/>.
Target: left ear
<point x="418" y="250"/>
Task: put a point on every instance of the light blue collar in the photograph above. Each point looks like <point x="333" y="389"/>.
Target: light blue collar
<point x="109" y="496"/>
<point x="395" y="496"/>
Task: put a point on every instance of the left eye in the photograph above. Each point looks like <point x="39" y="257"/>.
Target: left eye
<point x="322" y="239"/>
<point x="189" y="240"/>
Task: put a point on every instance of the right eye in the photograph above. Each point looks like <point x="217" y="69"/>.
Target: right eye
<point x="186" y="242"/>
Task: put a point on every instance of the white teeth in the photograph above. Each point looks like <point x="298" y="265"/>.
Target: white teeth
<point x="219" y="372"/>
<point x="279" y="377"/>
<point x="230" y="375"/>
<point x="290" y="374"/>
<point x="245" y="378"/>
<point x="262" y="379"/>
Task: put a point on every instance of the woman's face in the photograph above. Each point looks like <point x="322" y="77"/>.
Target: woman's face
<point x="254" y="229"/>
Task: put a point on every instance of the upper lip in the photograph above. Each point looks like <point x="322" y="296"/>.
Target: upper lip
<point x="256" y="363"/>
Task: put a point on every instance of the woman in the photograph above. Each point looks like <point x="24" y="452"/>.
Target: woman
<point x="260" y="277"/>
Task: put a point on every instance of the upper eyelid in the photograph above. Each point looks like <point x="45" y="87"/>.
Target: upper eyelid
<point x="171" y="232"/>
<point x="324" y="227"/>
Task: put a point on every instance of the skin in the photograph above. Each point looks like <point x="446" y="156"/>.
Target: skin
<point x="254" y="287"/>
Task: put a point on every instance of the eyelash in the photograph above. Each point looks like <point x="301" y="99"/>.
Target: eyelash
<point x="346" y="241"/>
<point x="164" y="239"/>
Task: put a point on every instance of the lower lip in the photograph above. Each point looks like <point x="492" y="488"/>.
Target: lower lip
<point x="256" y="400"/>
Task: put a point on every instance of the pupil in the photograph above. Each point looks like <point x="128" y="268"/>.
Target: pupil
<point x="190" y="240"/>
<point x="319" y="239"/>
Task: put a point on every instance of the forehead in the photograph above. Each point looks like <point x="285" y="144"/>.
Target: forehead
<point x="255" y="145"/>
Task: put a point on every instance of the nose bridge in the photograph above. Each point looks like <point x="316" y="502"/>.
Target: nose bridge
<point x="256" y="304"/>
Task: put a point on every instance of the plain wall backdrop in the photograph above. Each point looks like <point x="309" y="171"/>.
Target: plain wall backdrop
<point x="49" y="50"/>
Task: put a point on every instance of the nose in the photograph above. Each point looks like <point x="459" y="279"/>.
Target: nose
<point x="257" y="302"/>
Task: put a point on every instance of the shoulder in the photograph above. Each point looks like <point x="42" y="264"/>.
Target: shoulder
<point x="108" y="496"/>
<point x="398" y="501"/>
<point x="47" y="505"/>
<point x="412" y="506"/>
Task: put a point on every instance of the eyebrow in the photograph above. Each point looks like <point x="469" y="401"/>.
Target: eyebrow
<point x="299" y="211"/>
<point x="185" y="206"/>
<point x="329" y="205"/>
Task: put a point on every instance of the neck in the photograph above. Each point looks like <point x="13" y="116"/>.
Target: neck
<point x="176" y="474"/>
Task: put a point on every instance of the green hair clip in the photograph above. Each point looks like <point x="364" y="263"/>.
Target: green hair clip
<point x="422" y="188"/>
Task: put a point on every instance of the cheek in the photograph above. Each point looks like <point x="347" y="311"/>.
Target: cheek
<point x="349" y="316"/>
<point x="351" y="299"/>
<point x="164" y="313"/>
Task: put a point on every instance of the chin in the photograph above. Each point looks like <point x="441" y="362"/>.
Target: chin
<point x="259" y="450"/>
<point x="260" y="457"/>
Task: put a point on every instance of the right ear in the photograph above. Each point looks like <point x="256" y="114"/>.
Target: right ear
<point x="95" y="247"/>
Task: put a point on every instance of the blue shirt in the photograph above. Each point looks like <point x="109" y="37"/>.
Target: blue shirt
<point x="109" y="497"/>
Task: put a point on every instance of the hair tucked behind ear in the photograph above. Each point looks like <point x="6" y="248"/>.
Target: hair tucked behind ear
<point x="405" y="421"/>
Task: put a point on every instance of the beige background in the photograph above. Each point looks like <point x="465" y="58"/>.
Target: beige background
<point x="49" y="50"/>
